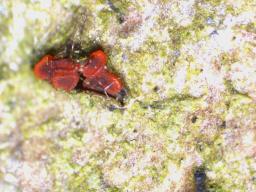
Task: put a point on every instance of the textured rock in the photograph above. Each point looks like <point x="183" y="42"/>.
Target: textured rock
<point x="189" y="68"/>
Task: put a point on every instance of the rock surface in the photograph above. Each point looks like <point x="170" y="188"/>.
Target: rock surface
<point x="190" y="71"/>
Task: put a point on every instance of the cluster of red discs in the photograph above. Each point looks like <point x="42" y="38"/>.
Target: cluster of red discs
<point x="66" y="74"/>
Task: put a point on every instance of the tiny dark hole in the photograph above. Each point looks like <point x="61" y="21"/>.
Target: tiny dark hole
<point x="200" y="178"/>
<point x="111" y="108"/>
<point x="223" y="124"/>
<point x="156" y="88"/>
<point x="194" y="118"/>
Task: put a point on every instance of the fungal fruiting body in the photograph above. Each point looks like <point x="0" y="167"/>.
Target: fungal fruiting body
<point x="65" y="74"/>
<point x="96" y="64"/>
<point x="98" y="78"/>
<point x="62" y="73"/>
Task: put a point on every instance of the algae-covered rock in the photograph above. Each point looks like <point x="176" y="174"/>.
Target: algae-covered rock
<point x="187" y="124"/>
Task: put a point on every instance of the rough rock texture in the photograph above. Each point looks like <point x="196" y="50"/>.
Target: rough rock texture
<point x="190" y="70"/>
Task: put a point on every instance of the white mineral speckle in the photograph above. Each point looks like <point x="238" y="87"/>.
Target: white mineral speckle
<point x="180" y="79"/>
<point x="183" y="11"/>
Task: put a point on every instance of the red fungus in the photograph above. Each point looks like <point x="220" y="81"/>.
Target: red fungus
<point x="95" y="65"/>
<point x="43" y="69"/>
<point x="99" y="56"/>
<point x="97" y="77"/>
<point x="105" y="82"/>
<point x="114" y="85"/>
<point x="66" y="80"/>
<point x="64" y="74"/>
<point x="65" y="64"/>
